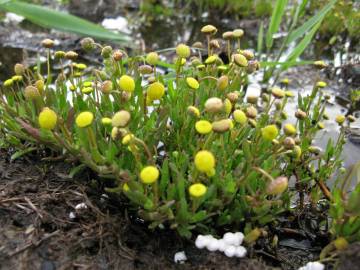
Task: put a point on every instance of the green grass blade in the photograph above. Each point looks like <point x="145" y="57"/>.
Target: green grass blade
<point x="299" y="49"/>
<point x="260" y="38"/>
<point x="61" y="21"/>
<point x="276" y="17"/>
<point x="318" y="17"/>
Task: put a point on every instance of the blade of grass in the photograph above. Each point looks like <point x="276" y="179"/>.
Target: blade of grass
<point x="299" y="49"/>
<point x="61" y="21"/>
<point x="276" y="17"/>
<point x="318" y="17"/>
<point x="260" y="38"/>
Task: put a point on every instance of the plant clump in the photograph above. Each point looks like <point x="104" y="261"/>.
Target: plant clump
<point x="187" y="149"/>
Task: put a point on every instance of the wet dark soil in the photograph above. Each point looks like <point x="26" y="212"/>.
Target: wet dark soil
<point x="36" y="198"/>
<point x="37" y="233"/>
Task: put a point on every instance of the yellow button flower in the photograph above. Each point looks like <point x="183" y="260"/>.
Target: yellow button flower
<point x="84" y="119"/>
<point x="183" y="51"/>
<point x="240" y="117"/>
<point x="211" y="59"/>
<point x="125" y="187"/>
<point x="321" y="84"/>
<point x="340" y="119"/>
<point x="8" y="82"/>
<point x="47" y="119"/>
<point x="192" y="83"/>
<point x="204" y="161"/>
<point x="106" y="121"/>
<point x="149" y="174"/>
<point x="152" y="58"/>
<point x="197" y="190"/>
<point x="155" y="91"/>
<point x="269" y="132"/>
<point x="203" y="127"/>
<point x="87" y="90"/>
<point x="194" y="111"/>
<point x="127" y="138"/>
<point x="289" y="129"/>
<point x="127" y="83"/>
<point x="227" y="106"/>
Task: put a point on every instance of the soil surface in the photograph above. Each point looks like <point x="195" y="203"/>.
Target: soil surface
<point x="36" y="198"/>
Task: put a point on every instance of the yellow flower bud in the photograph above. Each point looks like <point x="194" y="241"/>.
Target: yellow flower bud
<point x="87" y="90"/>
<point x="115" y="133"/>
<point x="47" y="43"/>
<point x="40" y="86"/>
<point x="155" y="91"/>
<point x="203" y="127"/>
<point x="152" y="58"/>
<point x="19" y="69"/>
<point x="227" y="106"/>
<point x="204" y="161"/>
<point x="197" y="190"/>
<point x="31" y="92"/>
<point x="8" y="82"/>
<point x="297" y="152"/>
<point x="251" y="112"/>
<point x="192" y="83"/>
<point x="321" y="125"/>
<point x="211" y="173"/>
<point x="240" y="60"/>
<point x="238" y="33"/>
<point x="120" y="119"/>
<point x="209" y="29"/>
<point x="84" y="119"/>
<point x="194" y="111"/>
<point x="127" y="138"/>
<point x="222" y="83"/>
<point x="289" y="129"/>
<point x="106" y="121"/>
<point x="17" y="78"/>
<point x="320" y="64"/>
<point x="149" y="175"/>
<point x="211" y="59"/>
<point x="277" y="92"/>
<point x="321" y="84"/>
<point x="240" y="117"/>
<point x="341" y="243"/>
<point x="340" y="119"/>
<point x="47" y="119"/>
<point x="183" y="51"/>
<point x="127" y="83"/>
<point x="269" y="132"/>
<point x="126" y="187"/>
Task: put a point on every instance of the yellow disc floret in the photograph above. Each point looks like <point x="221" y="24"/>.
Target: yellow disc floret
<point x="84" y="119"/>
<point x="203" y="127"/>
<point x="127" y="83"/>
<point x="197" y="190"/>
<point x="155" y="91"/>
<point x="269" y="132"/>
<point x="149" y="174"/>
<point x="204" y="161"/>
<point x="47" y="119"/>
<point x="192" y="83"/>
<point x="240" y="117"/>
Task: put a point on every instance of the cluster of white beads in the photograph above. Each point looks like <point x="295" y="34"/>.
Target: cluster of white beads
<point x="230" y="244"/>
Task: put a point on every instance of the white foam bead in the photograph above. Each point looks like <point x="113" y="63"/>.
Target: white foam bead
<point x="314" y="266"/>
<point x="230" y="251"/>
<point x="230" y="238"/>
<point x="222" y="245"/>
<point x="201" y="241"/>
<point x="239" y="238"/>
<point x="180" y="257"/>
<point x="240" y="252"/>
<point x="213" y="245"/>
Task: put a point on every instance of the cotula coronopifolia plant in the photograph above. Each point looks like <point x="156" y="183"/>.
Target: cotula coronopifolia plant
<point x="187" y="148"/>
